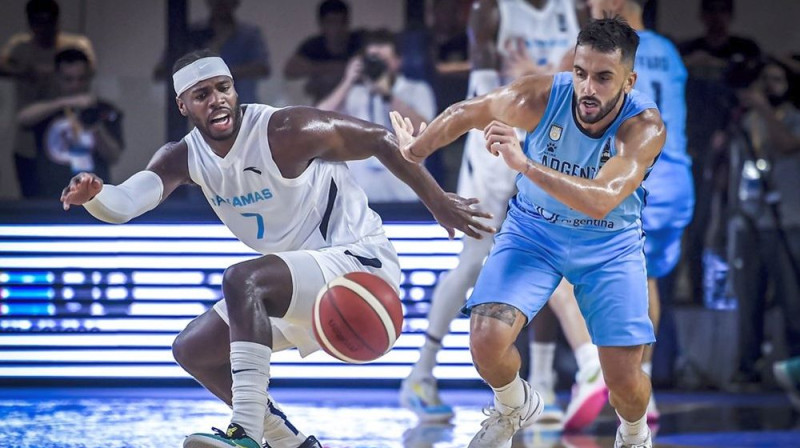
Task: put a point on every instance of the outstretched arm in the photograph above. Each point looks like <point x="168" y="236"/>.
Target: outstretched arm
<point x="520" y="104"/>
<point x="639" y="143"/>
<point x="139" y="194"/>
<point x="298" y="135"/>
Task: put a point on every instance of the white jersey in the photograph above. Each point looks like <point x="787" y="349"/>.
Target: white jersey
<point x="547" y="33"/>
<point x="322" y="207"/>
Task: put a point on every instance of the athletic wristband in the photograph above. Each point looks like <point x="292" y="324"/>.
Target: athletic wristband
<point x="117" y="204"/>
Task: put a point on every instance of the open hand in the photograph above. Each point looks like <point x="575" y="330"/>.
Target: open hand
<point x="81" y="189"/>
<point x="518" y="61"/>
<point x="455" y="212"/>
<point x="502" y="140"/>
<point x="404" y="130"/>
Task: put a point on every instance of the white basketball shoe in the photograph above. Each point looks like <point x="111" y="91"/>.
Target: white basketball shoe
<point x="497" y="430"/>
<point x="621" y="443"/>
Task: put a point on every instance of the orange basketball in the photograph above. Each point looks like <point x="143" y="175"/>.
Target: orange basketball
<point x="357" y="317"/>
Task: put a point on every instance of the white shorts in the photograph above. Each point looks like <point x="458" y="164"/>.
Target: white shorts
<point x="311" y="270"/>
<point x="486" y="177"/>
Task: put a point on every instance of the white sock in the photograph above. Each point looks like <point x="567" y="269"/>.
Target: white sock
<point x="427" y="359"/>
<point x="250" y="371"/>
<point x="278" y="432"/>
<point x="510" y="396"/>
<point x="541" y="370"/>
<point x="647" y="368"/>
<point x="634" y="432"/>
<point x="586" y="355"/>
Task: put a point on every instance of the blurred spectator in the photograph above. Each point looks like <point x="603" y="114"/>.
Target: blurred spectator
<point x="709" y="101"/>
<point x="323" y="58"/>
<point x="74" y="131"/>
<point x="765" y="228"/>
<point x="28" y="58"/>
<point x="239" y="44"/>
<point x="450" y="43"/>
<point x="708" y="56"/>
<point x="372" y="87"/>
<point x="449" y="52"/>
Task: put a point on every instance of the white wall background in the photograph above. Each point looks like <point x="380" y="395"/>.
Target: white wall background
<point x="129" y="37"/>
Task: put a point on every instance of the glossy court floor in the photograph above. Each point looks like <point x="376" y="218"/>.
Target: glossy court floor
<point x="362" y="418"/>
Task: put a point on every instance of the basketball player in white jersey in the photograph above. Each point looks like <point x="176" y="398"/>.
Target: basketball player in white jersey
<point x="277" y="179"/>
<point x="522" y="37"/>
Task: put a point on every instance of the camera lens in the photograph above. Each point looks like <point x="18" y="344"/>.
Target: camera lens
<point x="374" y="67"/>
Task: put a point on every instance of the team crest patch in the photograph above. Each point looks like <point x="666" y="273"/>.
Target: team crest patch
<point x="555" y="132"/>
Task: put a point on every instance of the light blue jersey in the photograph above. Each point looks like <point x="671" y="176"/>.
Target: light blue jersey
<point x="542" y="240"/>
<point x="670" y="199"/>
<point x="558" y="142"/>
<point x="662" y="77"/>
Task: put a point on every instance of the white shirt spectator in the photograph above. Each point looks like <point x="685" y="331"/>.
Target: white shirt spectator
<point x="379" y="183"/>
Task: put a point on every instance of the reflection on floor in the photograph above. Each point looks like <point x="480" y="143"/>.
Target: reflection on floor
<point x="356" y="418"/>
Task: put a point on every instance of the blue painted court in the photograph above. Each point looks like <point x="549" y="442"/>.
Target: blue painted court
<point x="358" y="418"/>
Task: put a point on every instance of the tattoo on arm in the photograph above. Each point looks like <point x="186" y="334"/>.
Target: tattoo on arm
<point x="500" y="311"/>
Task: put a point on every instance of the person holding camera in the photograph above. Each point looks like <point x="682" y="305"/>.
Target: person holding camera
<point x="74" y="131"/>
<point x="765" y="162"/>
<point x="371" y="88"/>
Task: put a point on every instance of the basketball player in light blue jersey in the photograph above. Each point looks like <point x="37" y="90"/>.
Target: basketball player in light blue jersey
<point x="670" y="189"/>
<point x="591" y="141"/>
<point x="522" y="37"/>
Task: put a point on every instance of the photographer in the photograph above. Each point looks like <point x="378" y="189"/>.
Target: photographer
<point x="765" y="230"/>
<point x="372" y="87"/>
<point x="74" y="131"/>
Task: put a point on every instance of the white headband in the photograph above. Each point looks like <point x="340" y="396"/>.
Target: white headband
<point x="197" y="71"/>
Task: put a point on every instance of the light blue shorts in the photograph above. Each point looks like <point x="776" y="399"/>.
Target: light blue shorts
<point x="662" y="250"/>
<point x="670" y="204"/>
<point x="530" y="256"/>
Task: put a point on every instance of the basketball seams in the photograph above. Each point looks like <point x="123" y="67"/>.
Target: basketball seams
<point x="364" y="343"/>
<point x="372" y="301"/>
<point x="326" y="343"/>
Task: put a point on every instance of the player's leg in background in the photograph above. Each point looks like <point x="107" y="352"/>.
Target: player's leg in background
<point x="654" y="311"/>
<point x="488" y="179"/>
<point x="542" y="335"/>
<point x="589" y="393"/>
<point x="419" y="391"/>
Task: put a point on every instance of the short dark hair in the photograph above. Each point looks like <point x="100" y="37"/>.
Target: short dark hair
<point x="190" y="57"/>
<point x="382" y="36"/>
<point x="332" y="7"/>
<point x="36" y="7"/>
<point x="609" y="34"/>
<point x="71" y="55"/>
<point x="716" y="5"/>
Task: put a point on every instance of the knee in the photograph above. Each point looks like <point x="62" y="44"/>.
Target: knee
<point x="235" y="281"/>
<point x="488" y="343"/>
<point x="260" y="286"/>
<point x="182" y="351"/>
<point x="623" y="381"/>
<point x="240" y="285"/>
